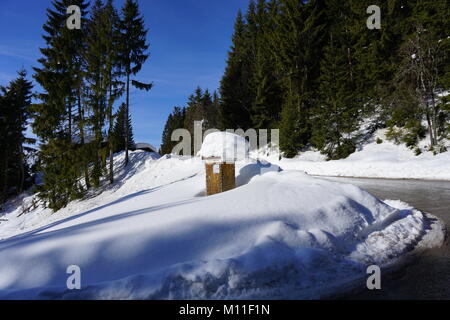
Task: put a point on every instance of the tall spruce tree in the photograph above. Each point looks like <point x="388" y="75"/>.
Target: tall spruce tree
<point x="266" y="106"/>
<point x="132" y="53"/>
<point x="4" y="108"/>
<point x="96" y="73"/>
<point x="235" y="86"/>
<point x="61" y="79"/>
<point x="336" y="114"/>
<point x="4" y="128"/>
<point x="19" y="96"/>
<point x="103" y="72"/>
<point x="114" y="72"/>
<point x="15" y="101"/>
<point x="294" y="43"/>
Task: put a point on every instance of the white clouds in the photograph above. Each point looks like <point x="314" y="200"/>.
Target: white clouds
<point x="15" y="53"/>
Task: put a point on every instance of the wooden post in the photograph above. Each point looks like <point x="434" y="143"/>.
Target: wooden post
<point x="219" y="176"/>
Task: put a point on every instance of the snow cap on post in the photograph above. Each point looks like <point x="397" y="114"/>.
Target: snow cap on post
<point x="224" y="146"/>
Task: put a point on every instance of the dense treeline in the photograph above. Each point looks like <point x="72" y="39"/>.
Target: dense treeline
<point x="83" y="73"/>
<point x="315" y="70"/>
<point x="15" y="170"/>
<point x="201" y="106"/>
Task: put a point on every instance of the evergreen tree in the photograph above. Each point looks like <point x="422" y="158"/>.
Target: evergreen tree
<point x="103" y="72"/>
<point x="132" y="53"/>
<point x="337" y="103"/>
<point x="61" y="78"/>
<point x="175" y="121"/>
<point x="19" y="97"/>
<point x="123" y="130"/>
<point x="15" y="101"/>
<point x="266" y="107"/>
<point x="201" y="107"/>
<point x="4" y="128"/>
<point x="194" y="111"/>
<point x="114" y="72"/>
<point x="214" y="111"/>
<point x="296" y="44"/>
<point x="235" y="109"/>
<point x="96" y="74"/>
<point x="336" y="115"/>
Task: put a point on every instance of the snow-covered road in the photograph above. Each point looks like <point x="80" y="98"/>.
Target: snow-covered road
<point x="429" y="276"/>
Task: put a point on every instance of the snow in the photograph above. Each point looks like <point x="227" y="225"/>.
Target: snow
<point x="154" y="235"/>
<point x="372" y="160"/>
<point x="224" y="145"/>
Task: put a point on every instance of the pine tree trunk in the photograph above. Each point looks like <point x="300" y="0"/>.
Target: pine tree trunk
<point x="126" y="119"/>
<point x="3" y="177"/>
<point x="70" y="122"/>
<point x="81" y="128"/>
<point x="22" y="171"/>
<point x="110" y="138"/>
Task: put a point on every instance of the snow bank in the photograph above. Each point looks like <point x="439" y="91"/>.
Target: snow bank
<point x="379" y="161"/>
<point x="224" y="145"/>
<point x="385" y="160"/>
<point x="281" y="234"/>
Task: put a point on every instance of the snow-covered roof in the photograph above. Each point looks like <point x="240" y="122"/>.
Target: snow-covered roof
<point x="144" y="145"/>
<point x="224" y="145"/>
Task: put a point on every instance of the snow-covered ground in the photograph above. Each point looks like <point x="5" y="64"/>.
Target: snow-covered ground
<point x="373" y="160"/>
<point x="279" y="234"/>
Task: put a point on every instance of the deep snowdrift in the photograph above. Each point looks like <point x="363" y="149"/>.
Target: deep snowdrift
<point x="278" y="235"/>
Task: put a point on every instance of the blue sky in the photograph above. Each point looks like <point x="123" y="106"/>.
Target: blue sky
<point x="189" y="40"/>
